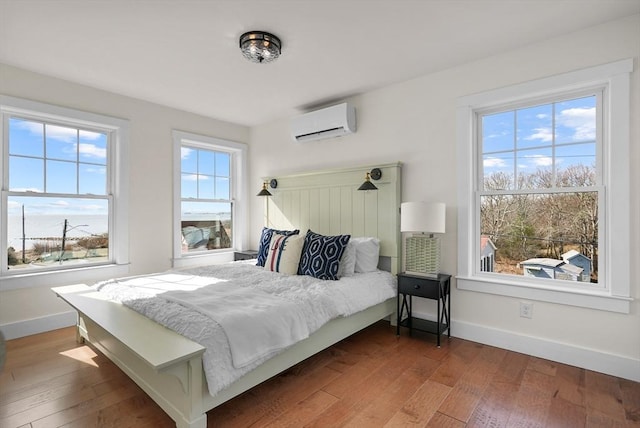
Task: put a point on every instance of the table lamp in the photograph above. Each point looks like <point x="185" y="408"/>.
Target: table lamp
<point x="422" y="249"/>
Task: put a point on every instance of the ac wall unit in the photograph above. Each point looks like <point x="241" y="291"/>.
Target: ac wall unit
<point x="325" y="123"/>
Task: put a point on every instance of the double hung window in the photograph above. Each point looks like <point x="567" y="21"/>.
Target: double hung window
<point x="59" y="198"/>
<point x="544" y="182"/>
<point x="207" y="194"/>
<point x="540" y="186"/>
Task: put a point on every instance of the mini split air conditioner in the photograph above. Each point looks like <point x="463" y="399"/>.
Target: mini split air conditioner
<point x="325" y="123"/>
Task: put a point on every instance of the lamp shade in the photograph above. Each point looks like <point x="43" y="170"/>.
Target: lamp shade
<point x="426" y="217"/>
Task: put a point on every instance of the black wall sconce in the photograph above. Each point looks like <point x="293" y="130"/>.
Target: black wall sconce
<point x="374" y="174"/>
<point x="264" y="192"/>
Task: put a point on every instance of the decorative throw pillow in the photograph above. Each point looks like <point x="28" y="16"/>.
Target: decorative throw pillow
<point x="367" y="254"/>
<point x="284" y="253"/>
<point x="321" y="255"/>
<point x="265" y="241"/>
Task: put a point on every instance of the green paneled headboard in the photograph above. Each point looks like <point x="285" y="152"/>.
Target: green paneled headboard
<point x="329" y="203"/>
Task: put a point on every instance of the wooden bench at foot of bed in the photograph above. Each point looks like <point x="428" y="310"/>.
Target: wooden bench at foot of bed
<point x="168" y="366"/>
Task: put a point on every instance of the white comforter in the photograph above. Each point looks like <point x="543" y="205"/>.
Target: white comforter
<point x="319" y="301"/>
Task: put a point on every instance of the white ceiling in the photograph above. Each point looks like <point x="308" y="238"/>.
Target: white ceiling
<point x="184" y="53"/>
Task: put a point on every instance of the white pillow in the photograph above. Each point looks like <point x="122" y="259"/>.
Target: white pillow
<point x="367" y="254"/>
<point x="348" y="260"/>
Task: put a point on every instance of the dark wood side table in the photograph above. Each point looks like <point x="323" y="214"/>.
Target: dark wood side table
<point x="429" y="288"/>
<point x="245" y="255"/>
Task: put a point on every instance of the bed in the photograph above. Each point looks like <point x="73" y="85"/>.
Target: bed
<point x="170" y="368"/>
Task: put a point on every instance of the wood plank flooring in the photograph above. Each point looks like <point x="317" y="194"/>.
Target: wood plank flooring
<point x="372" y="379"/>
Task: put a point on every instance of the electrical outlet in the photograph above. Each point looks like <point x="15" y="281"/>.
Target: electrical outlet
<point x="526" y="310"/>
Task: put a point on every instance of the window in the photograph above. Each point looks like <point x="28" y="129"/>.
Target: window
<point x="207" y="206"/>
<point x="538" y="185"/>
<point x="61" y="208"/>
<point x="539" y="188"/>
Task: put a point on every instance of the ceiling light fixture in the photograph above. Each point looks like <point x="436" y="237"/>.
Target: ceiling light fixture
<point x="260" y="46"/>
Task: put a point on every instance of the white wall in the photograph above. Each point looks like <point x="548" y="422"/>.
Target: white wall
<point x="23" y="311"/>
<point x="414" y="122"/>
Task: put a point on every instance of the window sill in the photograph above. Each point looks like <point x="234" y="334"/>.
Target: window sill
<point x="89" y="274"/>
<point x="582" y="298"/>
<point x="192" y="260"/>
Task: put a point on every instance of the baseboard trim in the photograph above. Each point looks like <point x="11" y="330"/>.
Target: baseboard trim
<point x="590" y="359"/>
<point x="24" y="328"/>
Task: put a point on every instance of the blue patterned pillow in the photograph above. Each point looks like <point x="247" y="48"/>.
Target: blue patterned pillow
<point x="265" y="241"/>
<point x="321" y="255"/>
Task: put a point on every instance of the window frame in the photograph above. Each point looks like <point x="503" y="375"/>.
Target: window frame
<point x="614" y="295"/>
<point x="238" y="159"/>
<point x="117" y="192"/>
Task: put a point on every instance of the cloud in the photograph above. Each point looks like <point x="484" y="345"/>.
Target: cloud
<point x="493" y="162"/>
<point x="185" y="152"/>
<point x="97" y="170"/>
<point x="60" y="203"/>
<point x="581" y="120"/>
<point x="90" y="135"/>
<point x="195" y="177"/>
<point x="543" y="134"/>
<point x="34" y="128"/>
<point x="61" y="133"/>
<point x="56" y="132"/>
<point x="540" y="160"/>
<point x="92" y="151"/>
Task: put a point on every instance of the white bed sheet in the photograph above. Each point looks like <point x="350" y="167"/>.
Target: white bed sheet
<point x="319" y="300"/>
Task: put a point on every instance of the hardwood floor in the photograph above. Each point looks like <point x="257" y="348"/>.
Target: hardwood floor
<point x="372" y="379"/>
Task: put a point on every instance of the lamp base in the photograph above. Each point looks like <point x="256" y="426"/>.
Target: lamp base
<point x="422" y="253"/>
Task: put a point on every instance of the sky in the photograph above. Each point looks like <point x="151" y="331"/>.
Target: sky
<point x="539" y="137"/>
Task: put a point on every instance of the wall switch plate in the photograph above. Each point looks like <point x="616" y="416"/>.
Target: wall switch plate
<point x="526" y="310"/>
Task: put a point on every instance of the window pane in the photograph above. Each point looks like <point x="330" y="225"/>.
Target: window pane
<point x="26" y="174"/>
<point x="39" y="243"/>
<point x="93" y="147"/>
<point x="206" y="162"/>
<point x="26" y="137"/>
<point x="498" y="132"/>
<point x="62" y="142"/>
<point x="223" y="162"/>
<point x="576" y="120"/>
<point x="93" y="179"/>
<point x="205" y="226"/>
<point x="206" y="187"/>
<point x="222" y="188"/>
<point x="189" y="186"/>
<point x="498" y="171"/>
<point x="553" y="236"/>
<point x="189" y="160"/>
<point x="576" y="155"/>
<point x="535" y="168"/>
<point x="61" y="177"/>
<point x="535" y="126"/>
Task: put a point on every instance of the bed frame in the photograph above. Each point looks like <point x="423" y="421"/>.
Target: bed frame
<point x="169" y="367"/>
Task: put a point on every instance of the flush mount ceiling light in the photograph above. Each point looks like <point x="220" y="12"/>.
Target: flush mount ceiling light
<point x="260" y="46"/>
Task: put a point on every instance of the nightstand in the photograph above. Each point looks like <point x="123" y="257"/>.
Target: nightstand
<point x="245" y="255"/>
<point x="438" y="289"/>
